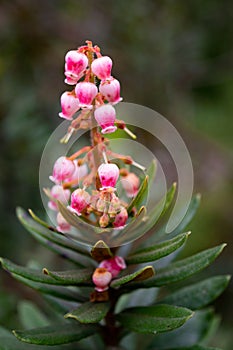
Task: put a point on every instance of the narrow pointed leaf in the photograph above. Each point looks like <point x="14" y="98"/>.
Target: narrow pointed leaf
<point x="81" y="277"/>
<point x="199" y="294"/>
<point x="101" y="251"/>
<point x="192" y="332"/>
<point x="89" y="312"/>
<point x="182" y="269"/>
<point x="48" y="233"/>
<point x="56" y="291"/>
<point x="140" y="275"/>
<point x="30" y="316"/>
<point x="151" y="172"/>
<point x="157" y="251"/>
<point x="192" y="209"/>
<point x="57" y="334"/>
<point x="73" y="277"/>
<point x="139" y="199"/>
<point x="154" y="319"/>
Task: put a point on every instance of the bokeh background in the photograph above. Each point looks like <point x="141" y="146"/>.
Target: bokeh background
<point x="173" y="56"/>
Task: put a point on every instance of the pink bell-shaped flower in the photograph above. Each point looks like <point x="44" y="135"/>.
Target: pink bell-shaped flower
<point x="79" y="201"/>
<point x="58" y="192"/>
<point x="108" y="174"/>
<point x="102" y="67"/>
<point x="62" y="225"/>
<point x="75" y="65"/>
<point x="69" y="105"/>
<point x="110" y="88"/>
<point x="63" y="168"/>
<point x="86" y="92"/>
<point x="101" y="278"/>
<point x="105" y="116"/>
<point x="80" y="172"/>
<point x="113" y="265"/>
<point x="120" y="219"/>
<point x="131" y="184"/>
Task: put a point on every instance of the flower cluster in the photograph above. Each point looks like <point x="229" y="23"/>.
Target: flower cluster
<point x="85" y="182"/>
<point x="83" y="67"/>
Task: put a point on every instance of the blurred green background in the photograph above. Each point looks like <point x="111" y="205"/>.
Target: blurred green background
<point x="173" y="56"/>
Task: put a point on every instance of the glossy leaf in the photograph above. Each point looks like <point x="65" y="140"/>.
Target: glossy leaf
<point x="157" y="251"/>
<point x="151" y="172"/>
<point x="89" y="312"/>
<point x="101" y="251"/>
<point x="199" y="294"/>
<point x="182" y="269"/>
<point x="191" y="333"/>
<point x="140" y="275"/>
<point x="154" y="319"/>
<point x="80" y="277"/>
<point x="56" y="334"/>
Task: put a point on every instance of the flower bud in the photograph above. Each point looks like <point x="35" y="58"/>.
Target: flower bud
<point x="62" y="225"/>
<point x="75" y="66"/>
<point x="86" y="92"/>
<point x="102" y="67"/>
<point x="114" y="206"/>
<point x="69" y="105"/>
<point x="121" y="218"/>
<point x="105" y="116"/>
<point x="110" y="88"/>
<point x="113" y="265"/>
<point x="104" y="220"/>
<point x="79" y="201"/>
<point x="131" y="184"/>
<point x="101" y="278"/>
<point x="108" y="174"/>
<point x="57" y="192"/>
<point x="63" y="168"/>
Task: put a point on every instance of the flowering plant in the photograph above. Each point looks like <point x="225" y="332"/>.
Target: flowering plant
<point x="111" y="298"/>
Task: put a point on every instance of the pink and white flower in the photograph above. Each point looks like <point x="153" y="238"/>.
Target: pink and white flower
<point x="110" y="88"/>
<point x="69" y="105"/>
<point x="80" y="199"/>
<point x="75" y="65"/>
<point x="58" y="193"/>
<point x="101" y="278"/>
<point x="80" y="172"/>
<point x="62" y="225"/>
<point x="86" y="92"/>
<point x="120" y="219"/>
<point x="131" y="184"/>
<point x="108" y="174"/>
<point x="63" y="168"/>
<point x="102" y="67"/>
<point x="105" y="116"/>
<point x="114" y="265"/>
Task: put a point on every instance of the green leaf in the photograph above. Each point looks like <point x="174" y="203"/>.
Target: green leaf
<point x="149" y="220"/>
<point x="151" y="172"/>
<point x="101" y="251"/>
<point x="31" y="316"/>
<point x="199" y="294"/>
<point x="154" y="319"/>
<point x="56" y="334"/>
<point x="81" y="277"/>
<point x="73" y="277"/>
<point x="89" y="312"/>
<point x="58" y="292"/>
<point x="192" y="209"/>
<point x="139" y="199"/>
<point x="195" y="347"/>
<point x="49" y="237"/>
<point x="182" y="269"/>
<point x="140" y="275"/>
<point x="191" y="333"/>
<point x="157" y="251"/>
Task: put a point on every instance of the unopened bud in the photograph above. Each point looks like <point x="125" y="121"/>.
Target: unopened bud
<point x="101" y="278"/>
